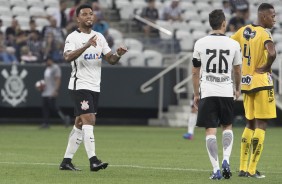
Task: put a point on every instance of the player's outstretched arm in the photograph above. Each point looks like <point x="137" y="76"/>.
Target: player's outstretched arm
<point x="114" y="58"/>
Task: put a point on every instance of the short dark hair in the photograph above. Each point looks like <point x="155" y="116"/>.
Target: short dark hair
<point x="216" y="17"/>
<point x="82" y="7"/>
<point x="265" y="6"/>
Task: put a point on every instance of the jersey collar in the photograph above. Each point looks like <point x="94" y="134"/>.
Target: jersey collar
<point x="256" y="25"/>
<point x="217" y="34"/>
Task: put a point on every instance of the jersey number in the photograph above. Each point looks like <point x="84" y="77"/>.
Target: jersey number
<point x="221" y="59"/>
<point x="247" y="54"/>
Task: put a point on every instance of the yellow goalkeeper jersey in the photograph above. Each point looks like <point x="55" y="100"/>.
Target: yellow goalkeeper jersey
<point x="252" y="40"/>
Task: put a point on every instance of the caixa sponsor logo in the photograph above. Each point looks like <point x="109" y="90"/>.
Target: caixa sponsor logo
<point x="92" y="56"/>
<point x="247" y="79"/>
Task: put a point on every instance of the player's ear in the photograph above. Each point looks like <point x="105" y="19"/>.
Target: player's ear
<point x="224" y="24"/>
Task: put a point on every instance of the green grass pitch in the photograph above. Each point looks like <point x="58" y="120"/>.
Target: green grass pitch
<point x="145" y="155"/>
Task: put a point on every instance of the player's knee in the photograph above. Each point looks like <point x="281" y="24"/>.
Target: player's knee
<point x="88" y="119"/>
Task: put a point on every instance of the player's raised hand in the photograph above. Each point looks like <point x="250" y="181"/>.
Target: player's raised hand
<point x="121" y="50"/>
<point x="92" y="41"/>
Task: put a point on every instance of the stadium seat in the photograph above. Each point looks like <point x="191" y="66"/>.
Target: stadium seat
<point x="179" y="25"/>
<point x="202" y="5"/>
<point x="153" y="58"/>
<point x="216" y="5"/>
<point x="186" y="6"/>
<point x="133" y="58"/>
<point x="122" y="3"/>
<point x="37" y="11"/>
<point x="19" y="3"/>
<point x="5" y="3"/>
<point x="35" y="3"/>
<point x="277" y="37"/>
<point x="6" y="20"/>
<point x="133" y="44"/>
<point x="278" y="9"/>
<point x="41" y="22"/>
<point x="278" y="47"/>
<point x="52" y="10"/>
<point x="205" y="15"/>
<point x="274" y="2"/>
<point x="105" y="4"/>
<point x="23" y="22"/>
<point x="191" y="15"/>
<point x="51" y="3"/>
<point x="276" y="64"/>
<point x="186" y="44"/>
<point x="138" y="4"/>
<point x="126" y="13"/>
<point x="6" y="11"/>
<point x="253" y="16"/>
<point x="116" y="34"/>
<point x="117" y="43"/>
<point x="279" y="19"/>
<point x="20" y="11"/>
<point x="196" y="25"/>
<point x="255" y="2"/>
<point x="181" y="34"/>
<point x="197" y="34"/>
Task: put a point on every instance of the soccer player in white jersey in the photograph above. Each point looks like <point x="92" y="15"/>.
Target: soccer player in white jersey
<point x="216" y="56"/>
<point x="85" y="49"/>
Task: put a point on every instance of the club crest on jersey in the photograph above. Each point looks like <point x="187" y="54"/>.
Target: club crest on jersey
<point x="14" y="91"/>
<point x="92" y="56"/>
<point x="248" y="33"/>
<point x="84" y="105"/>
<point x="247" y="79"/>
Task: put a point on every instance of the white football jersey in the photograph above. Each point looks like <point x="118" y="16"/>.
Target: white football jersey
<point x="86" y="69"/>
<point x="217" y="54"/>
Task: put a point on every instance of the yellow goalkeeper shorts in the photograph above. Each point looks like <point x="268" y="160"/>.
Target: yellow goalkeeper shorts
<point x="260" y="105"/>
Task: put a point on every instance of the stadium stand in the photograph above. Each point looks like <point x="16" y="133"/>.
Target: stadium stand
<point x="123" y="26"/>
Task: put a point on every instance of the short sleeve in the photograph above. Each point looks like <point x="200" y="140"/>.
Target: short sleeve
<point x="266" y="37"/>
<point x="238" y="55"/>
<point x="69" y="44"/>
<point x="196" y="52"/>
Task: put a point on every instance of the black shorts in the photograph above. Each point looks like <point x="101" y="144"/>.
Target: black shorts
<point x="215" y="111"/>
<point x="85" y="101"/>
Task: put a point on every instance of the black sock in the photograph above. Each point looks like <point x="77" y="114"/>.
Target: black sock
<point x="67" y="160"/>
<point x="93" y="159"/>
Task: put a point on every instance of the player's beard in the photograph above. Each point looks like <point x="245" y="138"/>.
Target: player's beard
<point x="88" y="25"/>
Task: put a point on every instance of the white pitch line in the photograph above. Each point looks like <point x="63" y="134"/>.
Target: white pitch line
<point x="126" y="166"/>
<point x="110" y="165"/>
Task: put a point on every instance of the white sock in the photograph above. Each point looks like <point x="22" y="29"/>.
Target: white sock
<point x="192" y="123"/>
<point x="75" y="138"/>
<point x="88" y="140"/>
<point x="212" y="149"/>
<point x="227" y="143"/>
